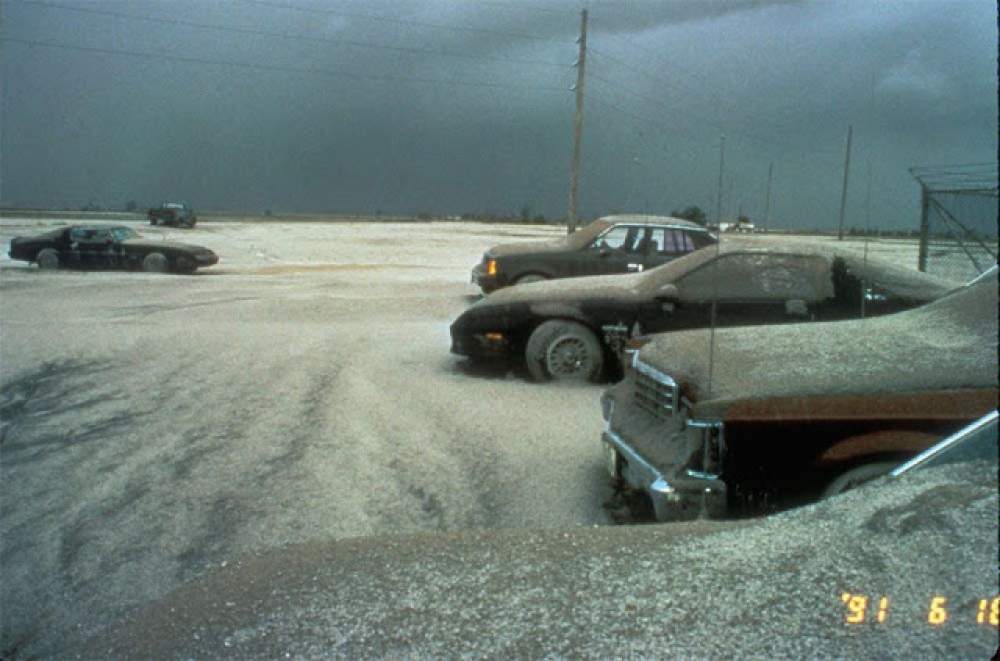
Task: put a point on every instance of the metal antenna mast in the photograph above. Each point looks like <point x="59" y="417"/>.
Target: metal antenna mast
<point x="574" y="186"/>
<point x="767" y="199"/>
<point x="843" y="194"/>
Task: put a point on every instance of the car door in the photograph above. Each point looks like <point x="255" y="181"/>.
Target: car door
<point x="756" y="288"/>
<point x="84" y="247"/>
<point x="619" y="250"/>
<point x="666" y="244"/>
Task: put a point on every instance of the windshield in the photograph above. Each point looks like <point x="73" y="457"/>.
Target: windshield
<point x="584" y="236"/>
<point x="374" y="397"/>
<point x="123" y="233"/>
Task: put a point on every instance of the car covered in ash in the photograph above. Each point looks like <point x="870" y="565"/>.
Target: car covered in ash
<point x="577" y="328"/>
<point x="613" y="244"/>
<point x="764" y="418"/>
<point x="109" y="247"/>
<point x="174" y="214"/>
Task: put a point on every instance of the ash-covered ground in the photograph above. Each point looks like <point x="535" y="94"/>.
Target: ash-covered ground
<point x="156" y="426"/>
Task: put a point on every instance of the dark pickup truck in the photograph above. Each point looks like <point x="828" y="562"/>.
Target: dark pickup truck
<point x="174" y="214"/>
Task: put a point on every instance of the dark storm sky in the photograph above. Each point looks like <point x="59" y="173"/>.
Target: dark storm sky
<point x="308" y="105"/>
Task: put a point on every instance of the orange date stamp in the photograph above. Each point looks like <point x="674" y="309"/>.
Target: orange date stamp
<point x="861" y="608"/>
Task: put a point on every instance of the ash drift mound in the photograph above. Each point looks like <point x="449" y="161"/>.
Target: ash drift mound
<point x="764" y="587"/>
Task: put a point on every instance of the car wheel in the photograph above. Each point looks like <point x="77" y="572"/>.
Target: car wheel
<point x="153" y="220"/>
<point x="857" y="476"/>
<point x="47" y="258"/>
<point x="529" y="277"/>
<point x="154" y="262"/>
<point x="563" y="350"/>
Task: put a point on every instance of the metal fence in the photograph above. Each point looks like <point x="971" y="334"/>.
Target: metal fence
<point x="958" y="219"/>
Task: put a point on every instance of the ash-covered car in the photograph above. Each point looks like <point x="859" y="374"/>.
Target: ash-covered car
<point x="577" y="328"/>
<point x="109" y="247"/>
<point x="174" y="214"/>
<point x="770" y="417"/>
<point x="613" y="244"/>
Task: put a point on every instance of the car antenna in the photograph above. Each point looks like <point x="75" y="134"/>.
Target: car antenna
<point x="868" y="229"/>
<point x="715" y="265"/>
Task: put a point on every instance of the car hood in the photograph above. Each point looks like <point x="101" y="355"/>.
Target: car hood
<point x="147" y="244"/>
<point x="623" y="288"/>
<point x="948" y="344"/>
<point x="773" y="585"/>
<point x="529" y="247"/>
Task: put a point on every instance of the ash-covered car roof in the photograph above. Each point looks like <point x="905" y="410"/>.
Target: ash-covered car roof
<point x="647" y="219"/>
<point x="948" y="344"/>
<point x="902" y="282"/>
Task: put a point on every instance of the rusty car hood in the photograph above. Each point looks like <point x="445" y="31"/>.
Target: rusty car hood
<point x="949" y="344"/>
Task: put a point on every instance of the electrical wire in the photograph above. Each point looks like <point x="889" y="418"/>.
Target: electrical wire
<point x="270" y="67"/>
<point x="398" y="21"/>
<point x="285" y="35"/>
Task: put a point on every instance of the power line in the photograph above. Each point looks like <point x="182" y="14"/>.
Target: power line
<point x="714" y="98"/>
<point x="398" y="21"/>
<point x="285" y="35"/>
<point x="744" y="134"/>
<point x="523" y="6"/>
<point x="270" y="67"/>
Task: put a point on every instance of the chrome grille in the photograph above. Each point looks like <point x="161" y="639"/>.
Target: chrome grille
<point x="655" y="392"/>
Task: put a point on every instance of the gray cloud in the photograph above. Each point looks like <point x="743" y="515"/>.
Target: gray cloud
<point x="370" y="130"/>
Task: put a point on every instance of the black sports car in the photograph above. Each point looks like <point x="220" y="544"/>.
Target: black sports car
<point x="108" y="246"/>
<point x="575" y="328"/>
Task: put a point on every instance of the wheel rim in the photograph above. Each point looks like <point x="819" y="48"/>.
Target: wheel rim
<point x="568" y="358"/>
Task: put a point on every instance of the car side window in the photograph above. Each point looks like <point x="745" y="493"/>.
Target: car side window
<point x="758" y="277"/>
<point x="671" y="242"/>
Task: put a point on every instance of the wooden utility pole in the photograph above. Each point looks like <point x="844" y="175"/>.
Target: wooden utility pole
<point x="718" y="201"/>
<point x="574" y="186"/>
<point x="843" y="194"/>
<point x="767" y="198"/>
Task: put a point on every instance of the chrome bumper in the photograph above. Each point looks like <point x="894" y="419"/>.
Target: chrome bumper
<point x="687" y="495"/>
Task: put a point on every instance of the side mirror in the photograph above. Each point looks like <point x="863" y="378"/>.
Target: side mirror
<point x="667" y="292"/>
<point x="604" y="251"/>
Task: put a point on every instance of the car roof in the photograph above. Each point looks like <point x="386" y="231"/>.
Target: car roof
<point x="644" y="219"/>
<point x="901" y="280"/>
<point x="98" y="227"/>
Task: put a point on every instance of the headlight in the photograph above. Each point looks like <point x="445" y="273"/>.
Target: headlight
<point x="607" y="406"/>
<point x="491" y="267"/>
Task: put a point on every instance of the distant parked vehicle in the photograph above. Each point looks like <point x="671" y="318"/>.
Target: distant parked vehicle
<point x="108" y="246"/>
<point x="174" y="214"/>
<point x="613" y="244"/>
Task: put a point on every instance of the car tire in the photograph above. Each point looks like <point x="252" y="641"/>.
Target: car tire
<point x="529" y="277"/>
<point x="564" y="351"/>
<point x="857" y="476"/>
<point x="47" y="258"/>
<point x="153" y="221"/>
<point x="155" y="262"/>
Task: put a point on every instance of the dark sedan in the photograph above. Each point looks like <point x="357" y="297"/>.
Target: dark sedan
<point x="613" y="244"/>
<point x="108" y="246"/>
<point x="577" y="328"/>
